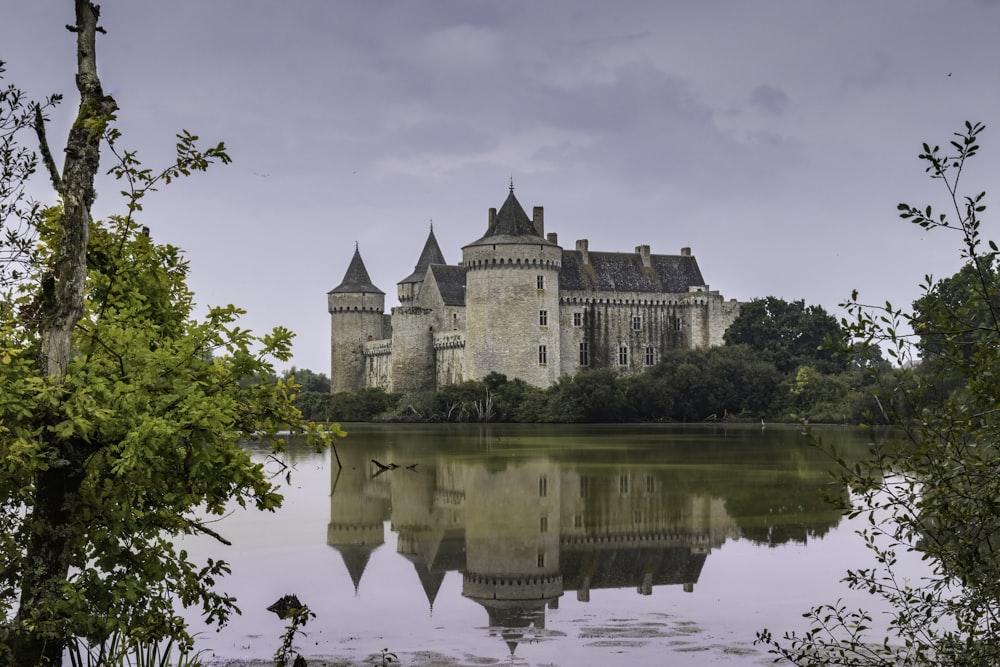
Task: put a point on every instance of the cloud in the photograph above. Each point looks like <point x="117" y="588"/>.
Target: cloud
<point x="772" y="100"/>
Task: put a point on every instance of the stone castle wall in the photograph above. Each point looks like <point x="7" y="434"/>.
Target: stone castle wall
<point x="504" y="312"/>
<point x="355" y="319"/>
<point x="617" y="329"/>
<point x="449" y="358"/>
<point x="413" y="352"/>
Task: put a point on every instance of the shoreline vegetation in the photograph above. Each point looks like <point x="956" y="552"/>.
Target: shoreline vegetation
<point x="781" y="363"/>
<point x="720" y="389"/>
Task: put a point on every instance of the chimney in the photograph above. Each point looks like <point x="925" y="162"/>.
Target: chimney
<point x="538" y="217"/>
<point x="685" y="252"/>
<point x="643" y="252"/>
<point x="493" y="219"/>
<point x="581" y="247"/>
<point x="552" y="237"/>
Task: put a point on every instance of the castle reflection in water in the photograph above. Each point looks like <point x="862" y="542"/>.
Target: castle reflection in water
<point x="525" y="533"/>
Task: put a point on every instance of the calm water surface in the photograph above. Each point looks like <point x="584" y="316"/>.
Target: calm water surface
<point x="543" y="545"/>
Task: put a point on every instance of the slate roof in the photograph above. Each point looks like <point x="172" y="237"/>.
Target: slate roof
<point x="356" y="278"/>
<point x="431" y="254"/>
<point x="624" y="272"/>
<point x="451" y="283"/>
<point x="511" y="225"/>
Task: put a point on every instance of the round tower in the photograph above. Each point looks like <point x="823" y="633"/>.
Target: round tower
<point x="512" y="298"/>
<point x="356" y="317"/>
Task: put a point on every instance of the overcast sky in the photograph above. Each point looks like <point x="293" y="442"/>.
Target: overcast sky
<point x="773" y="137"/>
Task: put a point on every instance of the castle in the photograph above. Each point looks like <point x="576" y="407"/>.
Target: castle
<point x="521" y="305"/>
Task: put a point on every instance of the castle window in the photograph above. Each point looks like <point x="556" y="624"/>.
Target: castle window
<point x="636" y="323"/>
<point x="543" y="355"/>
<point x="650" y="355"/>
<point x="578" y="521"/>
<point x="623" y="485"/>
<point x="623" y="355"/>
<point x="541" y="560"/>
<point x="543" y="318"/>
<point x="543" y="524"/>
<point x="584" y="354"/>
<point x="578" y="319"/>
<point x="543" y="486"/>
<point x="541" y="282"/>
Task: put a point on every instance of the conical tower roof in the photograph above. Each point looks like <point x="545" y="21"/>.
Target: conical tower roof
<point x="511" y="219"/>
<point x="511" y="225"/>
<point x="431" y="254"/>
<point x="356" y="279"/>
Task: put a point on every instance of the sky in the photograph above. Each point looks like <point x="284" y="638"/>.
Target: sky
<point x="773" y="137"/>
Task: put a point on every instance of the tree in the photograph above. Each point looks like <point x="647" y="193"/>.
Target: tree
<point x="121" y="415"/>
<point x="955" y="314"/>
<point x="931" y="486"/>
<point x="693" y="385"/>
<point x="308" y="380"/>
<point x="788" y="334"/>
<point x="589" y="396"/>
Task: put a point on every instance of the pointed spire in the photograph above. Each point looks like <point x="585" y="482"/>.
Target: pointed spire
<point x="431" y="254"/>
<point x="356" y="278"/>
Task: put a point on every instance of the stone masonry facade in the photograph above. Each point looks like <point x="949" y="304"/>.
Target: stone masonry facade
<point x="521" y="305"/>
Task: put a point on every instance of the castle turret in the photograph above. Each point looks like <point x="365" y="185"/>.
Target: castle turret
<point x="414" y="322"/>
<point x="408" y="288"/>
<point x="356" y="316"/>
<point x="512" y="298"/>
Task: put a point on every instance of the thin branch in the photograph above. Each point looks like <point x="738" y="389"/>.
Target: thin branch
<point x="43" y="144"/>
<point x="202" y="528"/>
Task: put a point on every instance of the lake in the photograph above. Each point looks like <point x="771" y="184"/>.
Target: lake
<point x="543" y="544"/>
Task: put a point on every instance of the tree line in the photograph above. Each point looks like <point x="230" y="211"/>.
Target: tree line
<point x="779" y="364"/>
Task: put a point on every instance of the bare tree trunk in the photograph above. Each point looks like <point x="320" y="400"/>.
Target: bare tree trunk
<point x="64" y="304"/>
<point x="51" y="522"/>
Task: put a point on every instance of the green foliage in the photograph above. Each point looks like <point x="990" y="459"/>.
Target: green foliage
<point x="365" y="405"/>
<point x="119" y="651"/>
<point x="955" y="315"/>
<point x="723" y="381"/>
<point x="931" y="486"/>
<point x="516" y="400"/>
<point x="137" y="444"/>
<point x="788" y="334"/>
<point x="307" y="380"/>
<point x="298" y="615"/>
<point x="596" y="395"/>
<point x="731" y="382"/>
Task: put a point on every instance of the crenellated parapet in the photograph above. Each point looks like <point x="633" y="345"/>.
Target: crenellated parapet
<point x="449" y="340"/>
